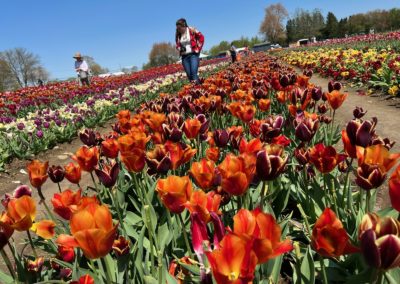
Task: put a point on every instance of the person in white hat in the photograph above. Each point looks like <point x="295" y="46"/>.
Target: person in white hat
<point x="82" y="69"/>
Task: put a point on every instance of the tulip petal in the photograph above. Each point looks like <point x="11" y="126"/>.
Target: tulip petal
<point x="44" y="229"/>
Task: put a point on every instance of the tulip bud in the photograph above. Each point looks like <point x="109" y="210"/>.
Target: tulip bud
<point x="284" y="81"/>
<point x="221" y="138"/>
<point x="322" y="108"/>
<point x="35" y="265"/>
<point x="21" y="191"/>
<point x="56" y="173"/>
<point x="121" y="246"/>
<point x="359" y="112"/>
<point x="316" y="94"/>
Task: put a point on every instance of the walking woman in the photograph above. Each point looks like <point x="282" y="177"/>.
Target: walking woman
<point x="189" y="43"/>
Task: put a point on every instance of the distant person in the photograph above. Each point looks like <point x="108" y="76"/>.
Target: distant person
<point x="189" y="43"/>
<point x="233" y="53"/>
<point x="40" y="82"/>
<point x="82" y="69"/>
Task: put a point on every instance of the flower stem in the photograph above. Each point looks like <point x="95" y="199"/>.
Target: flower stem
<point x="150" y="230"/>
<point x="8" y="263"/>
<point x="94" y="181"/>
<point x="264" y="189"/>
<point x="31" y="242"/>
<point x="59" y="187"/>
<point x="185" y="236"/>
<point x="323" y="271"/>
<point x="367" y="201"/>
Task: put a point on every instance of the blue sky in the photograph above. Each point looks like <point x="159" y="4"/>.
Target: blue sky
<point x="120" y="33"/>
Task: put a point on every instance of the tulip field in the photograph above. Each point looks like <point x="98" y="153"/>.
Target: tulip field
<point x="35" y="119"/>
<point x="369" y="60"/>
<point x="245" y="178"/>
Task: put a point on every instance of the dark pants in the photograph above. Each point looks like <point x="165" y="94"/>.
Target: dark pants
<point x="190" y="63"/>
<point x="233" y="56"/>
<point x="85" y="81"/>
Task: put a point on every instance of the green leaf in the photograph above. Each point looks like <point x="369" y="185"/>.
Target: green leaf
<point x="389" y="212"/>
<point x="307" y="268"/>
<point x="363" y="277"/>
<point x="164" y="236"/>
<point x="149" y="280"/>
<point x="132" y="218"/>
<point x="5" y="278"/>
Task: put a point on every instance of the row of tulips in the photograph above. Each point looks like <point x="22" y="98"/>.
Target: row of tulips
<point x="245" y="178"/>
<point x="43" y="128"/>
<point x="18" y="103"/>
<point x="374" y="61"/>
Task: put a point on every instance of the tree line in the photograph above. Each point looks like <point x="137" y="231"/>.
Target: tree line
<point x="277" y="26"/>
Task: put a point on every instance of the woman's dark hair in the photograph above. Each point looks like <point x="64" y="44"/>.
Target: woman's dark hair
<point x="181" y="22"/>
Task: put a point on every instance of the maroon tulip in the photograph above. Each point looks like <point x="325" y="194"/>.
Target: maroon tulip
<point x="380" y="241"/>
<point x="271" y="162"/>
<point x="172" y="132"/>
<point x="271" y="127"/>
<point x="88" y="137"/>
<point x="322" y="108"/>
<point x="316" y="94"/>
<point x="21" y="191"/>
<point x="301" y="154"/>
<point x="108" y="174"/>
<point x="56" y="173"/>
<point x="305" y="127"/>
<point x="361" y="133"/>
<point x="221" y="138"/>
<point x="332" y="86"/>
<point x="284" y="81"/>
<point x="359" y="112"/>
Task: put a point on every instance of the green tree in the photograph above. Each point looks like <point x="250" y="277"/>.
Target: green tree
<point x="162" y="53"/>
<point x="222" y="46"/>
<point x="331" y="28"/>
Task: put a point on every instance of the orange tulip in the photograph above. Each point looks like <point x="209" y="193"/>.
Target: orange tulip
<point x="234" y="261"/>
<point x="324" y="158"/>
<point x="349" y="148"/>
<point x="37" y="173"/>
<point x="121" y="246"/>
<point x="204" y="203"/>
<point x="133" y="140"/>
<point x="329" y="238"/>
<point x="109" y="148"/>
<point x="87" y="158"/>
<point x="236" y="177"/>
<point x="22" y="212"/>
<point x="336" y="99"/>
<point x="246" y="112"/>
<point x="394" y="189"/>
<point x="178" y="154"/>
<point x="134" y="161"/>
<point x="73" y="173"/>
<point x="373" y="164"/>
<point x="212" y="154"/>
<point x="44" y="229"/>
<point x="174" y="192"/>
<point x="66" y="202"/>
<point x="251" y="147"/>
<point x="155" y="121"/>
<point x="264" y="104"/>
<point x="204" y="174"/>
<point x="6" y="229"/>
<point x="191" y="128"/>
<point x="263" y="232"/>
<point x="124" y="114"/>
<point x="92" y="230"/>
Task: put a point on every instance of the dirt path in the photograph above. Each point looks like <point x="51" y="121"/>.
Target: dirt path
<point x="60" y="155"/>
<point x="384" y="110"/>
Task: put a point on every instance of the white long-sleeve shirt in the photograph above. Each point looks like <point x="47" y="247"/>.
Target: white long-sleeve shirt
<point x="81" y="65"/>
